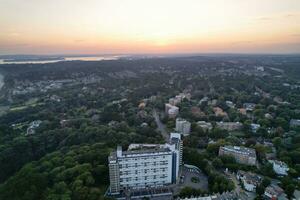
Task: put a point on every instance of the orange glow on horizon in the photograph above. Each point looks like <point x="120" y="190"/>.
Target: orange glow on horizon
<point x="142" y="26"/>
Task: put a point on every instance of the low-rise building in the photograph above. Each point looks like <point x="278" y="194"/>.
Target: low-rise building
<point x="268" y="116"/>
<point x="249" y="106"/>
<point x="242" y="155"/>
<point x="212" y="102"/>
<point x="274" y="192"/>
<point x="205" y="125"/>
<point x="203" y="100"/>
<point x="254" y="127"/>
<point x="178" y="98"/>
<point x="223" y="196"/>
<point x="249" y="180"/>
<point x="230" y="104"/>
<point x="142" y="105"/>
<point x="294" y="122"/>
<point x="183" y="126"/>
<point x="229" y="126"/>
<point x="32" y="126"/>
<point x="174" y="101"/>
<point x="243" y="111"/>
<point x="219" y="112"/>
<point x="279" y="167"/>
<point x="171" y="111"/>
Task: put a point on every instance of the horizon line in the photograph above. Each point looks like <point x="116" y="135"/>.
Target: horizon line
<point x="145" y="54"/>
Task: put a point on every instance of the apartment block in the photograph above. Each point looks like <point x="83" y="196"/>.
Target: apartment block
<point x="242" y="155"/>
<point x="183" y="126"/>
<point x="145" y="165"/>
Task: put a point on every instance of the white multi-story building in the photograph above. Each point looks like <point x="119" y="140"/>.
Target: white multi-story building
<point x="145" y="165"/>
<point x="279" y="167"/>
<point x="183" y="126"/>
<point x="171" y="110"/>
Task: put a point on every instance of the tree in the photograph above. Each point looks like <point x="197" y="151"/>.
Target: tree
<point x="289" y="190"/>
<point x="247" y="126"/>
<point x="217" y="163"/>
<point x="266" y="182"/>
<point x="277" y="141"/>
<point x="281" y="122"/>
<point x="218" y="133"/>
<point x="267" y="170"/>
<point x="260" y="189"/>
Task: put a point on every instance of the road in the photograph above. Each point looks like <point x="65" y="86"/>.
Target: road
<point x="160" y="126"/>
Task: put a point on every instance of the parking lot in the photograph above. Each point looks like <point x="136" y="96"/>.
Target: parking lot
<point x="186" y="180"/>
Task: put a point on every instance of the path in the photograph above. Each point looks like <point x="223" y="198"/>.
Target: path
<point x="160" y="126"/>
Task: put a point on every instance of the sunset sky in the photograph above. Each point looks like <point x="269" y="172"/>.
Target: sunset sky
<point x="149" y="26"/>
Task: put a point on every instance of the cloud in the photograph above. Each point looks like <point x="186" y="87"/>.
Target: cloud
<point x="14" y="34"/>
<point x="290" y="15"/>
<point x="241" y="42"/>
<point x="15" y="45"/>
<point x="264" y="18"/>
<point x="22" y="45"/>
<point x="79" y="41"/>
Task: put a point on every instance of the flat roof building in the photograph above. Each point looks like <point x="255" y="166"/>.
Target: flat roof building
<point x="171" y="111"/>
<point x="242" y="155"/>
<point x="183" y="126"/>
<point x="279" y="167"/>
<point x="205" y="125"/>
<point x="229" y="126"/>
<point x="145" y="165"/>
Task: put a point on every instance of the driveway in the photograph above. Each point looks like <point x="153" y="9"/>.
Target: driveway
<point x="186" y="176"/>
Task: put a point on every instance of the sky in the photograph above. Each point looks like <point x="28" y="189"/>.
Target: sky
<point x="149" y="26"/>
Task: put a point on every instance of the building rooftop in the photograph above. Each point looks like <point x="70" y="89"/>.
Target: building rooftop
<point x="240" y="150"/>
<point x="250" y="177"/>
<point x="146" y="151"/>
<point x="278" y="162"/>
<point x="274" y="190"/>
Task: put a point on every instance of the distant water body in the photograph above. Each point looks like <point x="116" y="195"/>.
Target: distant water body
<point x="82" y="58"/>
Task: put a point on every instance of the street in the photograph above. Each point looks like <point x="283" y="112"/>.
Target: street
<point x="160" y="126"/>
